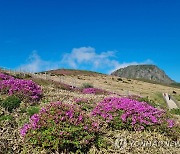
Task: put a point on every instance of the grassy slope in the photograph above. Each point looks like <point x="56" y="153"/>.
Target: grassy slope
<point x="131" y="86"/>
<point x="71" y="72"/>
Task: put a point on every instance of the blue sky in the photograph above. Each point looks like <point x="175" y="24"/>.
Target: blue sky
<point x="99" y="35"/>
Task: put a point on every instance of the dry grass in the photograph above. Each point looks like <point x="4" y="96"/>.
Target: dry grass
<point x="124" y="87"/>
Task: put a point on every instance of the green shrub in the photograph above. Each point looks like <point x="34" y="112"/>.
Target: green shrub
<point x="19" y="76"/>
<point x="84" y="103"/>
<point x="10" y="103"/>
<point x="147" y="100"/>
<point x="23" y="76"/>
<point x="32" y="110"/>
<point x="45" y="100"/>
<point x="6" y="117"/>
<point x="27" y="76"/>
<point x="175" y="111"/>
<point x="22" y="110"/>
<point x="87" y="85"/>
<point x="1" y="100"/>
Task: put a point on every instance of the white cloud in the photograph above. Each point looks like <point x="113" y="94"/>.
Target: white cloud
<point x="104" y="60"/>
<point x="79" y="58"/>
<point x="86" y="55"/>
<point x="36" y="64"/>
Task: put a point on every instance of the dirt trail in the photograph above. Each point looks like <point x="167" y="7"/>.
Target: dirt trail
<point x="171" y="104"/>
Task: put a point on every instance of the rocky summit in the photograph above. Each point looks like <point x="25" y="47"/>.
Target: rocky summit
<point x="144" y="72"/>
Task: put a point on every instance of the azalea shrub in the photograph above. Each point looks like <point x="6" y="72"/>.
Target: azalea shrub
<point x="95" y="91"/>
<point x="24" y="89"/>
<point x="4" y="76"/>
<point x="125" y="113"/>
<point x="60" y="127"/>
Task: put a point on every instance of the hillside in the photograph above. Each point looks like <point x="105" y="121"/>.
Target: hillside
<point x="63" y="72"/>
<point x="144" y="72"/>
<point x="70" y="89"/>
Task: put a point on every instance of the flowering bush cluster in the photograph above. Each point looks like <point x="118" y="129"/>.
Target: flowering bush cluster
<point x="25" y="89"/>
<point x="132" y="114"/>
<point x="61" y="126"/>
<point x="94" y="91"/>
<point x="5" y="77"/>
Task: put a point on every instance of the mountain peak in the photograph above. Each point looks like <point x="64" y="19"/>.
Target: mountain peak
<point x="146" y="72"/>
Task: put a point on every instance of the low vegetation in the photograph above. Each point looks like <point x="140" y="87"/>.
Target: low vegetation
<point x="158" y="98"/>
<point x="87" y="85"/>
<point x="10" y="103"/>
<point x="32" y="110"/>
<point x="175" y="111"/>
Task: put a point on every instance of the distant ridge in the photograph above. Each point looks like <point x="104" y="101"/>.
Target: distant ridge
<point x="72" y="72"/>
<point x="145" y="72"/>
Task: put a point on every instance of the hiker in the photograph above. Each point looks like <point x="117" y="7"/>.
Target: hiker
<point x="169" y="97"/>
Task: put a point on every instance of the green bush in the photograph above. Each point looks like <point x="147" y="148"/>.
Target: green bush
<point x="1" y="100"/>
<point x="22" y="76"/>
<point x="87" y="85"/>
<point x="84" y="103"/>
<point x="6" y="117"/>
<point x="10" y="103"/>
<point x="32" y="110"/>
<point x="19" y="76"/>
<point x="175" y="111"/>
<point x="22" y="110"/>
<point x="147" y="100"/>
